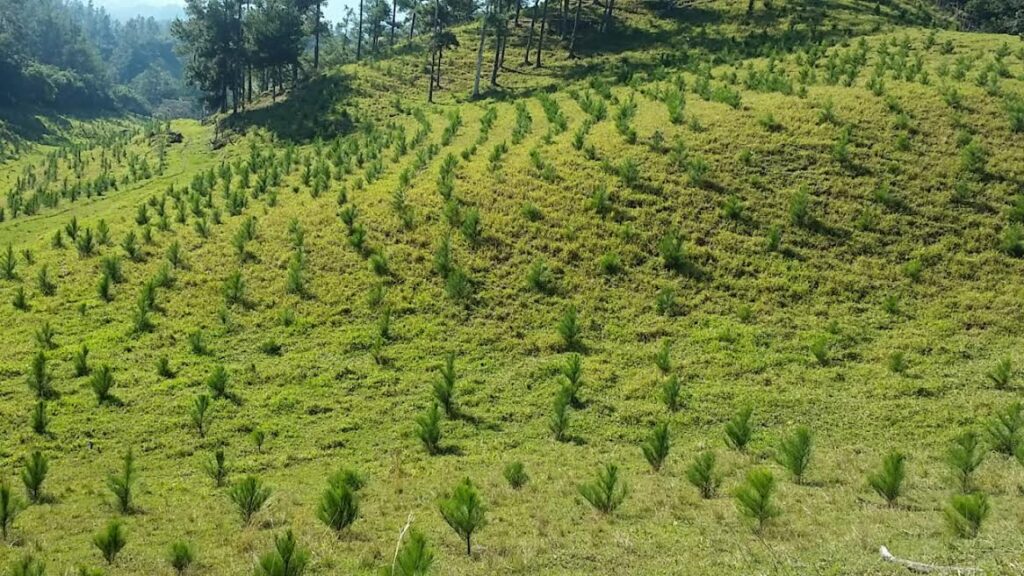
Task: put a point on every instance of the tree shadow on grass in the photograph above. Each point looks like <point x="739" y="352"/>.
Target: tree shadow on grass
<point x="314" y="110"/>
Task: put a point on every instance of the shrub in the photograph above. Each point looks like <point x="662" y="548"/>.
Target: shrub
<point x="101" y="383"/>
<point x="20" y="301"/>
<point x="85" y="243"/>
<point x="443" y="260"/>
<point x="8" y="263"/>
<point x="249" y="495"/>
<point x="739" y="430"/>
<point x="163" y="367"/>
<point x="665" y="301"/>
<point x="1015" y="111"/>
<point x="28" y="565"/>
<point x="234" y="289"/>
<point x="559" y="422"/>
<point x="673" y="253"/>
<point x="122" y="484"/>
<point x="532" y="212"/>
<point x="444" y="387"/>
<point x="471" y="226"/>
<point x="973" y="159"/>
<point x="217" y="382"/>
<point x="81" y="362"/>
<point x="799" y="206"/>
<point x="670" y="392"/>
<point x="458" y="286"/>
<point x="572" y="372"/>
<point x="1004" y="430"/>
<point x="703" y="476"/>
<point x="656" y="447"/>
<point x="258" y="437"/>
<point x="610" y="264"/>
<point x="754" y="498"/>
<point x="200" y="414"/>
<point x="888" y="481"/>
<point x="10" y="506"/>
<point x="286" y="559"/>
<point x="898" y="362"/>
<point x="46" y="285"/>
<point x="570" y="331"/>
<point x="110" y="540"/>
<point x="339" y="505"/>
<point x="1001" y="375"/>
<point x="966" y="512"/>
<point x="33" y="473"/>
<point x="40" y="421"/>
<point x="1012" y="241"/>
<point x="465" y="512"/>
<point x="181" y="556"/>
<point x="515" y="475"/>
<point x="794" y="453"/>
<point x="174" y="255"/>
<point x="540" y="278"/>
<point x="819" y="349"/>
<point x="216" y="468"/>
<point x="607" y="491"/>
<point x="39" y="377"/>
<point x="45" y="335"/>
<point x="663" y="358"/>
<point x="295" y="282"/>
<point x="965" y="456"/>
<point x="428" y="429"/>
<point x="414" y="557"/>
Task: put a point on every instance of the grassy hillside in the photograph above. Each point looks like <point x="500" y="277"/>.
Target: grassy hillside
<point x="822" y="225"/>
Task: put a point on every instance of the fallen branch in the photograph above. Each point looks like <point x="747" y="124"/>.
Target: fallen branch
<point x="398" y="546"/>
<point x="922" y="568"/>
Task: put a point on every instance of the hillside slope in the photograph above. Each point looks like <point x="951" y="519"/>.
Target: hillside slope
<point x="824" y="230"/>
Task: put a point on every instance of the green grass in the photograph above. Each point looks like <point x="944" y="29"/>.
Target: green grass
<point x="331" y="390"/>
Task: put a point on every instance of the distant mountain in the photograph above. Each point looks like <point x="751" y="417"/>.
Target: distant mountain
<point x="129" y="11"/>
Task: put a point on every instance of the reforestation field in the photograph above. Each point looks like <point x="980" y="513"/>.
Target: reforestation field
<point x="723" y="292"/>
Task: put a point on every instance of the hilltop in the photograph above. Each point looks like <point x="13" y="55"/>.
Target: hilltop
<point x="813" y="213"/>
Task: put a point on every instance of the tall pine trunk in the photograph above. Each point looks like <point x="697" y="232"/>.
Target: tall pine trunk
<point x="394" y="16"/>
<point x="575" y="24"/>
<point x="529" y="39"/>
<point x="543" y="26"/>
<point x="316" y="42"/>
<point x="480" y="55"/>
<point x="359" y="38"/>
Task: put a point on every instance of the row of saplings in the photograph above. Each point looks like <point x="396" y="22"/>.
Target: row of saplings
<point x="463" y="508"/>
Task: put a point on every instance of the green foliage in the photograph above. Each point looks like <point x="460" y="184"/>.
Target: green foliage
<point x="464" y="511"/>
<point x="607" y="491"/>
<point x="540" y="278"/>
<point x="671" y="390"/>
<point x="27" y="565"/>
<point x="80" y="362"/>
<point x="286" y="559"/>
<point x="755" y="498"/>
<point x="339" y="504"/>
<point x="515" y="474"/>
<point x="794" y="453"/>
<point x="887" y="482"/>
<point x="1001" y="375"/>
<point x="47" y="287"/>
<point x="40" y="380"/>
<point x="10" y="507"/>
<point x="966" y="512"/>
<point x="703" y="475"/>
<point x="428" y="429"/>
<point x="570" y="331"/>
<point x="181" y="556"/>
<point x="249" y="495"/>
<point x="110" y="540"/>
<point x="673" y="253"/>
<point x="40" y="420"/>
<point x="33" y="473"/>
<point x="122" y="484"/>
<point x="656" y="447"/>
<point x="414" y="557"/>
<point x="200" y="414"/>
<point x="799" y="206"/>
<point x="216" y="468"/>
<point x="1004" y="430"/>
<point x="739" y="429"/>
<point x="217" y="382"/>
<point x="444" y="387"/>
<point x="101" y="383"/>
<point x="965" y="456"/>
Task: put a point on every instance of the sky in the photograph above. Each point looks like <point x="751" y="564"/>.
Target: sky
<point x="123" y="9"/>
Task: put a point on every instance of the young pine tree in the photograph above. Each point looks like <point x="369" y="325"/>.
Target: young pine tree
<point x="888" y="481"/>
<point x="444" y="387"/>
<point x="606" y="492"/>
<point x="794" y="453"/>
<point x="122" y="484"/>
<point x="656" y="447"/>
<point x="964" y="457"/>
<point x="428" y="429"/>
<point x="249" y="495"/>
<point x="110" y="540"/>
<point x="286" y="559"/>
<point x="414" y="558"/>
<point x="33" y="473"/>
<point x="465" y="512"/>
<point x="755" y="496"/>
<point x="966" y="512"/>
<point x="703" y="476"/>
<point x="739" y="430"/>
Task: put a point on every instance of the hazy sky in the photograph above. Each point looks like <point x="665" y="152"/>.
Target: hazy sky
<point x="121" y="8"/>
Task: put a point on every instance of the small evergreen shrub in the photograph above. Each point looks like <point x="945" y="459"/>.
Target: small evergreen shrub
<point x="286" y="559"/>
<point x="110" y="540"/>
<point x="739" y="429"/>
<point x="607" y="491"/>
<point x="965" y="456"/>
<point x="465" y="512"/>
<point x="428" y="429"/>
<point x="702" y="474"/>
<point x="794" y="453"/>
<point x="887" y="482"/>
<point x="181" y="556"/>
<point x="755" y="498"/>
<point x="515" y="474"/>
<point x="966" y="512"/>
<point x="122" y="484"/>
<point x="249" y="495"/>
<point x="656" y="447"/>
